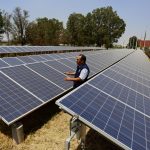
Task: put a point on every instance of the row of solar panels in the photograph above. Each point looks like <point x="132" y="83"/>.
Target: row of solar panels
<point x="116" y="102"/>
<point x="26" y="87"/>
<point x="26" y="49"/>
<point x="13" y="61"/>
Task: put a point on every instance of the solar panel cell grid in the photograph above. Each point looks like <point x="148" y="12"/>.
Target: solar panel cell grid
<point x="59" y="66"/>
<point x="26" y="59"/>
<point x="105" y="113"/>
<point x="51" y="74"/>
<point x="37" y="58"/>
<point x="12" y="61"/>
<point x="14" y="101"/>
<point x="117" y="105"/>
<point x="3" y="64"/>
<point x="33" y="82"/>
<point x="42" y="82"/>
<point x="68" y="63"/>
<point x="141" y="88"/>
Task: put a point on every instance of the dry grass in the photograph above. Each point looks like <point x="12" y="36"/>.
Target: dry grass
<point x="47" y="129"/>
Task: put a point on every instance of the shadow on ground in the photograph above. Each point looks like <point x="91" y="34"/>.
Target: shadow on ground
<point x="95" y="141"/>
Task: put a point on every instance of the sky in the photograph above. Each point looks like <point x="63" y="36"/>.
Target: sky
<point x="135" y="13"/>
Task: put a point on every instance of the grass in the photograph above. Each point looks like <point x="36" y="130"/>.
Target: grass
<point x="47" y="129"/>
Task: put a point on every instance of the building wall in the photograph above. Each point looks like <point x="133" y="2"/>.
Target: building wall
<point x="141" y="43"/>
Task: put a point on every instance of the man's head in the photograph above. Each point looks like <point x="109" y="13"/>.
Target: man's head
<point x="81" y="59"/>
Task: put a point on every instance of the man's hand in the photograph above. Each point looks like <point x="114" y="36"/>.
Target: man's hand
<point x="67" y="79"/>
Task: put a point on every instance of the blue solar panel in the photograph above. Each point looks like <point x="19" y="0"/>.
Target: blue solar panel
<point x="56" y="56"/>
<point x="130" y="74"/>
<point x="12" y="61"/>
<point x="36" y="84"/>
<point x="26" y="59"/>
<point x="68" y="63"/>
<point x="47" y="57"/>
<point x="51" y="74"/>
<point x="14" y="100"/>
<point x="37" y="58"/>
<point x="131" y="83"/>
<point x="108" y="115"/>
<point x="2" y="50"/>
<point x="123" y="93"/>
<point x="20" y="49"/>
<point x="3" y="64"/>
<point x="116" y="104"/>
<point x="59" y="66"/>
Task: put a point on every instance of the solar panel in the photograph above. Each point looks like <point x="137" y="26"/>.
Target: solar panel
<point x="51" y="74"/>
<point x="68" y="63"/>
<point x="14" y="100"/>
<point x="3" y="64"/>
<point x="2" y="50"/>
<point x="131" y="75"/>
<point x="12" y="61"/>
<point x="36" y="84"/>
<point x="131" y="83"/>
<point x="40" y="82"/>
<point x="25" y="49"/>
<point x="47" y="56"/>
<point x="108" y="116"/>
<point x="59" y="66"/>
<point x="26" y="59"/>
<point x="37" y="58"/>
<point x="113" y="105"/>
<point x="56" y="56"/>
<point x="123" y="93"/>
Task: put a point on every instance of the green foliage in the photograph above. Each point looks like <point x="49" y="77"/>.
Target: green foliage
<point x="1" y="26"/>
<point x="44" y="32"/>
<point x="132" y="42"/>
<point x="75" y="27"/>
<point x="101" y="27"/>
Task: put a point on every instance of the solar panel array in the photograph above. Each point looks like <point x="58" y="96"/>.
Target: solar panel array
<point x="26" y="49"/>
<point x="116" y="102"/>
<point x="40" y="78"/>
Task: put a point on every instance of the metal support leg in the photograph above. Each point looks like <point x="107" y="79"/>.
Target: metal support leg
<point x="17" y="133"/>
<point x="83" y="136"/>
<point x="78" y="129"/>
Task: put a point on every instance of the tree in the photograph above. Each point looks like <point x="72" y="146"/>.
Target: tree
<point x="89" y="31"/>
<point x="108" y="26"/>
<point x="45" y="32"/>
<point x="1" y="26"/>
<point x="20" y="19"/>
<point x="132" y="42"/>
<point x="75" y="28"/>
<point x="7" y="25"/>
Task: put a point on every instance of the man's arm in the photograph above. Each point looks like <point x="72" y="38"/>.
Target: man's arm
<point x="72" y="79"/>
<point x="69" y="73"/>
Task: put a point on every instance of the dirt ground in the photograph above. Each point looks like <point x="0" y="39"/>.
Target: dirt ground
<point x="47" y="129"/>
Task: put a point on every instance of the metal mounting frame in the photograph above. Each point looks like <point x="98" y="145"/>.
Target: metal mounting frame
<point x="77" y="129"/>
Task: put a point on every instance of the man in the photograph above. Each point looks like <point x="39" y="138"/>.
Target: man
<point x="82" y="72"/>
